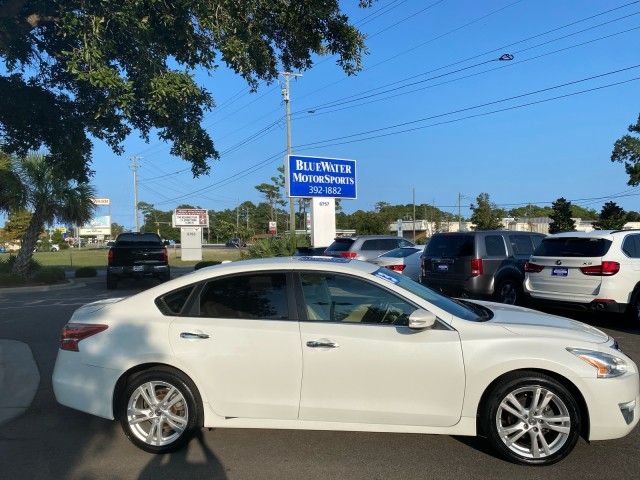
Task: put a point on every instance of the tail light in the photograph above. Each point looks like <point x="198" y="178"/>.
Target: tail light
<point x="110" y="257"/>
<point x="348" y="254"/>
<point x="605" y="269"/>
<point x="477" y="268"/>
<point x="396" y="268"/>
<point x="73" y="333"/>
<point x="165" y="255"/>
<point x="533" y="267"/>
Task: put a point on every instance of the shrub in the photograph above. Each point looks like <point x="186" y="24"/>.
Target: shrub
<point x="48" y="275"/>
<point x="205" y="263"/>
<point x="10" y="280"/>
<point x="86" y="272"/>
<point x="276" y="247"/>
<point x="7" y="265"/>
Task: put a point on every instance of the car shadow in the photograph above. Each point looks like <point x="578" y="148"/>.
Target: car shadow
<point x="196" y="460"/>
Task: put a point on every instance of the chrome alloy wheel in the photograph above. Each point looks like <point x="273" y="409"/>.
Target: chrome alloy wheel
<point x="157" y="413"/>
<point x="533" y="422"/>
<point x="508" y="294"/>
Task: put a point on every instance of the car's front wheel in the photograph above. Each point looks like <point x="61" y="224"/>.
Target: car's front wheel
<point x="532" y="419"/>
<point x="509" y="292"/>
<point x="159" y="410"/>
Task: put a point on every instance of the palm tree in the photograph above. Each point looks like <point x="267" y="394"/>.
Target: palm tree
<point x="12" y="194"/>
<point x="51" y="196"/>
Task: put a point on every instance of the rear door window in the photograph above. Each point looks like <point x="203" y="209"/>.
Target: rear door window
<point x="521" y="245"/>
<point x="172" y="303"/>
<point x="573" y="247"/>
<point x="372" y="245"/>
<point x="494" y="246"/>
<point x="253" y="296"/>
<point x="389" y="244"/>
<point x="450" y="246"/>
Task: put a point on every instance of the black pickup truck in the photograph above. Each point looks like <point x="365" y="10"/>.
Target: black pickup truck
<point x="137" y="255"/>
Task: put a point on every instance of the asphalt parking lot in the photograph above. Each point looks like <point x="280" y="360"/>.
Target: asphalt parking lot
<point x="51" y="441"/>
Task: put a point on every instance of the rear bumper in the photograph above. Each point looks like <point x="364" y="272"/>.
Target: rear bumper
<point x="481" y="286"/>
<point x="146" y="270"/>
<point x="83" y="387"/>
<point x="592" y="305"/>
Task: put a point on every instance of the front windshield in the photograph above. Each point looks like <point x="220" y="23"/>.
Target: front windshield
<point x="449" y="305"/>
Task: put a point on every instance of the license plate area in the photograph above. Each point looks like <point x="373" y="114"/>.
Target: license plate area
<point x="442" y="268"/>
<point x="138" y="268"/>
<point x="559" y="271"/>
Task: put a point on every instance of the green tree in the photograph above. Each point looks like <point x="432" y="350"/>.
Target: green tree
<point x="11" y="188"/>
<point x="612" y="217"/>
<point x="159" y="221"/>
<point x="626" y="150"/>
<point x="561" y="220"/>
<point x="74" y="69"/>
<point x="50" y="196"/>
<point x="585" y="213"/>
<point x="16" y="226"/>
<point x="116" y="229"/>
<point x="633" y="216"/>
<point x="529" y="211"/>
<point x="485" y="216"/>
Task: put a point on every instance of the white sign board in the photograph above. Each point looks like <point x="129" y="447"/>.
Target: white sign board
<point x="323" y="221"/>
<point x="273" y="228"/>
<point x="97" y="226"/>
<point x="191" y="243"/>
<point x="190" y="217"/>
<point x="101" y="201"/>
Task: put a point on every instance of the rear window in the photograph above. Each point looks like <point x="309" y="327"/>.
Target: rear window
<point x="450" y="246"/>
<point x="138" y="239"/>
<point x="494" y="245"/>
<point x="572" y="247"/>
<point x="173" y="302"/>
<point x="521" y="244"/>
<point x="340" y="245"/>
<point x="401" y="252"/>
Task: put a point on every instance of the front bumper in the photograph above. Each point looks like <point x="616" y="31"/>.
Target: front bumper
<point x="84" y="387"/>
<point x="610" y="401"/>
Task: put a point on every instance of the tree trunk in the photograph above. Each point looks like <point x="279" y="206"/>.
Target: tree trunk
<point x="28" y="243"/>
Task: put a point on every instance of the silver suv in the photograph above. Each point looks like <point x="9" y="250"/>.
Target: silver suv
<point x="365" y="247"/>
<point x="485" y="264"/>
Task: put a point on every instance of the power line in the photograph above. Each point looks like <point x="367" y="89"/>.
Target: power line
<point x="502" y="100"/>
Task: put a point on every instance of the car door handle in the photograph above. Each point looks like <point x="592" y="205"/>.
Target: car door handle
<point x="193" y="336"/>
<point x="323" y="343"/>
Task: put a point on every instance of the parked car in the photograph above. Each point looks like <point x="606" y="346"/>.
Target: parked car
<point x="3" y="249"/>
<point x="483" y="264"/>
<point x="224" y="347"/>
<point x="598" y="270"/>
<point x="405" y="260"/>
<point x="235" y="242"/>
<point x="309" y="251"/>
<point x="365" y="247"/>
<point x="137" y="255"/>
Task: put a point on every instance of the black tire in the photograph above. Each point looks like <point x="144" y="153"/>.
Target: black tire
<point x="509" y="291"/>
<point x="633" y="310"/>
<point x="166" y="276"/>
<point x="112" y="282"/>
<point x="192" y="403"/>
<point x="521" y="381"/>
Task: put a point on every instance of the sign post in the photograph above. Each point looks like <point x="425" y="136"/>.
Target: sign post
<point x="190" y="221"/>
<point x="323" y="180"/>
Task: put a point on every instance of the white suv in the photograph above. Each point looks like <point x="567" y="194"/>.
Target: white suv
<point x="597" y="270"/>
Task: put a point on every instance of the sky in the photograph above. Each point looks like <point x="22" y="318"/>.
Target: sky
<point x="528" y="153"/>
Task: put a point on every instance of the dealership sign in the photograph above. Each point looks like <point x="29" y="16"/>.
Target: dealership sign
<point x="321" y="177"/>
<point x="101" y="201"/>
<point x="98" y="225"/>
<point x="190" y="217"/>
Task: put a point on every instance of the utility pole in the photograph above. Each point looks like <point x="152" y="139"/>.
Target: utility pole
<point x="134" y="168"/>
<point x="287" y="105"/>
<point x="414" y="214"/>
<point x="459" y="212"/>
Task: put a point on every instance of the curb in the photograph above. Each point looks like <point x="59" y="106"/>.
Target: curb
<point x="43" y="288"/>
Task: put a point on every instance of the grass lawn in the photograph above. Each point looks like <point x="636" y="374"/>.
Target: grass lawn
<point x="73" y="258"/>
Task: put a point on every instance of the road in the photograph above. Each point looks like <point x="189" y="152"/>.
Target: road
<point x="51" y="441"/>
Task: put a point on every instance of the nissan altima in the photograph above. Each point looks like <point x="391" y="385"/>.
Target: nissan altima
<point x="325" y="343"/>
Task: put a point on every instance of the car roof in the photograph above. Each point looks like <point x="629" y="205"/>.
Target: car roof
<point x="592" y="234"/>
<point x="356" y="237"/>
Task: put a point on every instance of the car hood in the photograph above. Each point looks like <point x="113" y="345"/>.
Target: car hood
<point x="524" y="321"/>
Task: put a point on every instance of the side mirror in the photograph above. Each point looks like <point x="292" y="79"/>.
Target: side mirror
<point x="421" y="319"/>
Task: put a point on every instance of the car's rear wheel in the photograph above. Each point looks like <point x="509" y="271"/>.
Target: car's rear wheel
<point x="530" y="418"/>
<point x="159" y="410"/>
<point x="508" y="292"/>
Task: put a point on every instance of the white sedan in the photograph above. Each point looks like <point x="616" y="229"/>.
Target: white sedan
<point x="333" y="344"/>
<point x="405" y="260"/>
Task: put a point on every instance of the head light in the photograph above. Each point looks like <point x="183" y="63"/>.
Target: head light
<point x="607" y="365"/>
